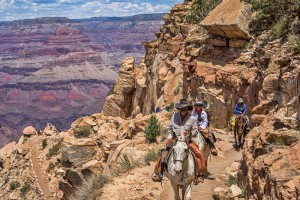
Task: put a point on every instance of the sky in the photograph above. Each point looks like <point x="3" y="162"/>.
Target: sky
<point x="77" y="9"/>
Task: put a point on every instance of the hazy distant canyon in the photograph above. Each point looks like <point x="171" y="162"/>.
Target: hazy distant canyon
<point x="56" y="69"/>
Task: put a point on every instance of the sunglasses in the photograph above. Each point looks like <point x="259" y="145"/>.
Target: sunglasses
<point x="183" y="109"/>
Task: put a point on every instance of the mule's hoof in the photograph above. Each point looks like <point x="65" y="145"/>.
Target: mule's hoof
<point x="156" y="178"/>
<point x="214" y="152"/>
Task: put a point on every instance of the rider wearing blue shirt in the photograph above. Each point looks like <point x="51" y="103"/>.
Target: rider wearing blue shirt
<point x="240" y="107"/>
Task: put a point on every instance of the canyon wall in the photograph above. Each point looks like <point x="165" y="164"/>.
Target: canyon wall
<point x="56" y="69"/>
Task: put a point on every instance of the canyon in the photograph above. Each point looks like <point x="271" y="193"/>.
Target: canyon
<point x="58" y="69"/>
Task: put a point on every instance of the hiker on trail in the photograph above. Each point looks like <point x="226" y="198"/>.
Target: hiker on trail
<point x="240" y="107"/>
<point x="181" y="123"/>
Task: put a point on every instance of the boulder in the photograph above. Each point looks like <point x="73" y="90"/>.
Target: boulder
<point x="229" y="19"/>
<point x="50" y="129"/>
<point x="29" y="130"/>
<point x="14" y="196"/>
<point x="235" y="190"/>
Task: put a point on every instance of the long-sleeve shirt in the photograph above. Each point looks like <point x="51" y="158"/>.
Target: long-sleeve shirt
<point x="178" y="126"/>
<point x="201" y="118"/>
<point x="238" y="109"/>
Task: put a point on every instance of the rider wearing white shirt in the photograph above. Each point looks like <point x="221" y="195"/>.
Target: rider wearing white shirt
<point x="201" y="115"/>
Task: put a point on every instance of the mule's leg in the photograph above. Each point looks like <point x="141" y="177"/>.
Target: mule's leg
<point x="235" y="137"/>
<point x="239" y="140"/>
<point x="176" y="191"/>
<point x="183" y="191"/>
<point x="188" y="192"/>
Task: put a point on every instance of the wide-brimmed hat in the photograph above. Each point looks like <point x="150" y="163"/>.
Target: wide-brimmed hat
<point x="183" y="103"/>
<point x="199" y="103"/>
<point x="241" y="100"/>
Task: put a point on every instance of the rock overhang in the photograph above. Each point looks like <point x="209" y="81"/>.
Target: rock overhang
<point x="230" y="19"/>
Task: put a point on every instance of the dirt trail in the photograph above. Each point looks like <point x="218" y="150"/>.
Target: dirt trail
<point x="216" y="166"/>
<point x="37" y="169"/>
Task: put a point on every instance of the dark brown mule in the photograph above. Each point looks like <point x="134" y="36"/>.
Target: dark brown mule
<point x="240" y="129"/>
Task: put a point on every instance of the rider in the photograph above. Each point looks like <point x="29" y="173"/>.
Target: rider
<point x="182" y="123"/>
<point x="202" y="119"/>
<point x="240" y="107"/>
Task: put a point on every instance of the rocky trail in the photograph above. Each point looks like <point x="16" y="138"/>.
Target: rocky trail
<point x="37" y="169"/>
<point x="216" y="167"/>
<point x="138" y="184"/>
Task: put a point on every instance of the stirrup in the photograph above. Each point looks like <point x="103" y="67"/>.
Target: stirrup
<point x="156" y="177"/>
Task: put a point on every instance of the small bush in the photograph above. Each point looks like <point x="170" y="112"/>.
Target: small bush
<point x="232" y="180"/>
<point x="164" y="134"/>
<point x="25" y="189"/>
<point x="54" y="150"/>
<point x="172" y="106"/>
<point x="90" y="188"/>
<point x="151" y="156"/>
<point x="152" y="131"/>
<point x="279" y="142"/>
<point x="51" y="166"/>
<point x="82" y="131"/>
<point x="14" y="185"/>
<point x="200" y="9"/>
<point x="296" y="45"/>
<point x="126" y="164"/>
<point x="111" y="91"/>
<point x="117" y="124"/>
<point x="270" y="12"/>
<point x="44" y="143"/>
<point x="281" y="28"/>
<point x="178" y="88"/>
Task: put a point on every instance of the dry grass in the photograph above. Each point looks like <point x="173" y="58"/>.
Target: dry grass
<point x="90" y="188"/>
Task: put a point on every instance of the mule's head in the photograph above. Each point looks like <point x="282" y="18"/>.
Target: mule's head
<point x="180" y="153"/>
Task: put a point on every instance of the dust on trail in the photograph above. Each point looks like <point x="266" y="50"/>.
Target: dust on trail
<point x="216" y="167"/>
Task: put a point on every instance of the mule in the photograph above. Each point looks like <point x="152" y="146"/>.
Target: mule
<point x="240" y="129"/>
<point x="181" y="169"/>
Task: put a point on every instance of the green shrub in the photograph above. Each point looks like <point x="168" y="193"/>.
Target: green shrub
<point x="54" y="150"/>
<point x="111" y="91"/>
<point x="178" y="88"/>
<point x="232" y="180"/>
<point x="51" y="166"/>
<point x="25" y="189"/>
<point x="296" y="45"/>
<point x="279" y="142"/>
<point x="200" y="9"/>
<point x="44" y="143"/>
<point x="117" y="124"/>
<point x="281" y="28"/>
<point x="82" y="131"/>
<point x="151" y="156"/>
<point x="270" y="12"/>
<point x="172" y="106"/>
<point x="14" y="185"/>
<point x="152" y="131"/>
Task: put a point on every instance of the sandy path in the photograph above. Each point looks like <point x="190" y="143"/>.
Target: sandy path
<point x="216" y="166"/>
<point x="37" y="169"/>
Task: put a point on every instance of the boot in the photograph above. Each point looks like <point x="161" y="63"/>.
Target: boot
<point x="156" y="176"/>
